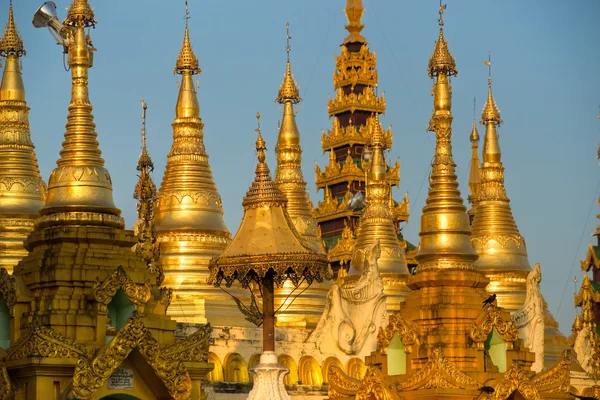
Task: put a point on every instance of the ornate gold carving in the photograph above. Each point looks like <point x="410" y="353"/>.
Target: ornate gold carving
<point x="8" y="288"/>
<point x="438" y="373"/>
<point x="518" y="240"/>
<point x="342" y="251"/>
<point x="41" y="341"/>
<point x="91" y="375"/>
<point x="591" y="259"/>
<point x="374" y="387"/>
<point x="558" y="378"/>
<point x="493" y="317"/>
<point x="6" y="390"/>
<point x="397" y="325"/>
<point x="193" y="348"/>
<point x="367" y="101"/>
<point x="118" y="279"/>
<point x="340" y="384"/>
<point x="516" y="378"/>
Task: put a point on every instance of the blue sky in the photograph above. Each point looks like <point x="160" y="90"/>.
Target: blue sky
<point x="544" y="54"/>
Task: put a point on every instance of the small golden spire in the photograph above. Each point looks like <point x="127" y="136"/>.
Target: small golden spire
<point x="11" y="43"/>
<point x="354" y="12"/>
<point x="263" y="191"/>
<point x="187" y="60"/>
<point x="80" y="14"/>
<point x="490" y="110"/>
<point x="474" y="171"/>
<point x="441" y="60"/>
<point x="288" y="90"/>
<point x="145" y="193"/>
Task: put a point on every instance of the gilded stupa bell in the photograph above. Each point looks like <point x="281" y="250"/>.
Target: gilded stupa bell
<point x="22" y="190"/>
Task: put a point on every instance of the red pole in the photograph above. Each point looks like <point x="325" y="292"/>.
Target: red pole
<point x="268" y="313"/>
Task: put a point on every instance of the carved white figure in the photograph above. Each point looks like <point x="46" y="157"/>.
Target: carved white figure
<point x="529" y="319"/>
<point x="354" y="310"/>
<point x="582" y="348"/>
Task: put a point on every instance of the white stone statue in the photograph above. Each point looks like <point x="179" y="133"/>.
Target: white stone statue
<point x="354" y="310"/>
<point x="529" y="319"/>
<point x="582" y="348"/>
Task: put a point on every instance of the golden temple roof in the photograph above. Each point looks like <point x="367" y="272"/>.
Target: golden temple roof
<point x="354" y="11"/>
<point x="11" y="42"/>
<point x="267" y="238"/>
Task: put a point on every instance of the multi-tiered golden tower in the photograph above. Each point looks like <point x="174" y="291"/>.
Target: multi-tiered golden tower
<point x="356" y="103"/>
<point x="304" y="310"/>
<point x="189" y="213"/>
<point x="87" y="316"/>
<point x="22" y="190"/>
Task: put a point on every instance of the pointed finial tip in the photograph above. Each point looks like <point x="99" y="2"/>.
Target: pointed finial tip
<point x="11" y="42"/>
<point x="186" y="59"/>
<point x="260" y="142"/>
<point x="80" y="14"/>
<point x="441" y="61"/>
<point x="288" y="91"/>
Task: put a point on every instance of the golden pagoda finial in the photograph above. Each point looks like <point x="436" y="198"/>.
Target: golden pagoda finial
<point x="490" y="110"/>
<point x="187" y="60"/>
<point x="11" y="43"/>
<point x="288" y="91"/>
<point x="354" y="12"/>
<point x="80" y="14"/>
<point x="441" y="60"/>
<point x="474" y="170"/>
<point x="147" y="246"/>
<point x="263" y="191"/>
<point x="80" y="188"/>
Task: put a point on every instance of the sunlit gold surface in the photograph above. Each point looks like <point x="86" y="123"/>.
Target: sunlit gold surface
<point x="80" y="259"/>
<point x="306" y="309"/>
<point x="189" y="213"/>
<point x="22" y="190"/>
<point x="80" y="188"/>
<point x="496" y="238"/>
<point x="474" y="171"/>
<point x="377" y="225"/>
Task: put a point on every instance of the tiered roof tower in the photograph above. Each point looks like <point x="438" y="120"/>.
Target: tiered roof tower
<point x="22" y="190"/>
<point x="356" y="104"/>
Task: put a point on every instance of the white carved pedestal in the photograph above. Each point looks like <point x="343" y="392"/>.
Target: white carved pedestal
<point x="268" y="379"/>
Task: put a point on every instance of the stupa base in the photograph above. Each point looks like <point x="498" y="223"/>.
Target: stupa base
<point x="268" y="379"/>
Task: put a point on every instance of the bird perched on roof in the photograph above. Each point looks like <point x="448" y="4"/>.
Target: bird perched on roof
<point x="487" y="389"/>
<point x="583" y="397"/>
<point x="489" y="300"/>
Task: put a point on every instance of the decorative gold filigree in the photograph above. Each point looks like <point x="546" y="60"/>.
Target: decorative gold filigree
<point x="367" y="101"/>
<point x="8" y="288"/>
<point x="493" y="317"/>
<point x="340" y="384"/>
<point x="342" y="251"/>
<point x="373" y="387"/>
<point x="42" y="341"/>
<point x="518" y="240"/>
<point x="591" y="259"/>
<point x="104" y="291"/>
<point x="397" y="325"/>
<point x="516" y="378"/>
<point x="193" y="348"/>
<point x="558" y="378"/>
<point x="438" y="372"/>
<point x="6" y="390"/>
<point x="91" y="375"/>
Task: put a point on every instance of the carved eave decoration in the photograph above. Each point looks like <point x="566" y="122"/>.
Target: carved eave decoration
<point x="103" y="292"/>
<point x="168" y="363"/>
<point x="592" y="258"/>
<point x="343" y="249"/>
<point x="341" y="385"/>
<point x="516" y="378"/>
<point x="8" y="288"/>
<point x="491" y="318"/>
<point x="6" y="390"/>
<point x="401" y="212"/>
<point x="557" y="379"/>
<point x="365" y="101"/>
<point x="362" y="59"/>
<point x="352" y="134"/>
<point x="397" y="325"/>
<point x="438" y="373"/>
<point x="42" y="341"/>
<point x="502" y="240"/>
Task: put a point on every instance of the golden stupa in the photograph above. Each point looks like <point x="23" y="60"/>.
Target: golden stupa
<point x="376" y="224"/>
<point x="302" y="310"/>
<point x="189" y="212"/>
<point x="22" y="190"/>
<point x="87" y="314"/>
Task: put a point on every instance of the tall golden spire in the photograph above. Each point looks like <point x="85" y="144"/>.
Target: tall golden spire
<point x="80" y="188"/>
<point x="22" y="190"/>
<point x="377" y="225"/>
<point x="189" y="213"/>
<point x="446" y="278"/>
<point x="474" y="171"/>
<point x="496" y="238"/>
<point x="354" y="12"/>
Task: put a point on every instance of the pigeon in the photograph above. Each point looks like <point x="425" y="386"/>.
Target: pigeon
<point x="583" y="397"/>
<point x="489" y="300"/>
<point x="487" y="389"/>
